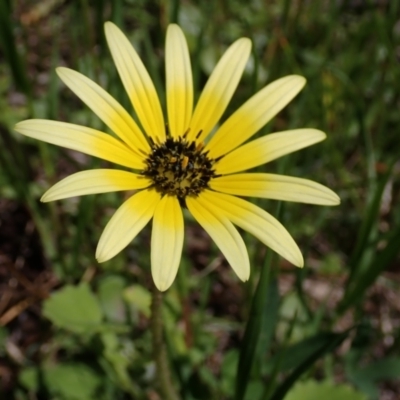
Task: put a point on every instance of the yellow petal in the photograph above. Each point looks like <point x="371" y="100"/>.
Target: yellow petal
<point x="277" y="187"/>
<point x="126" y="223"/>
<point x="137" y="82"/>
<point x="258" y="222"/>
<point x="224" y="234"/>
<point x="179" y="81"/>
<point x="95" y="181"/>
<point x="267" y="148"/>
<point x="106" y="108"/>
<point x="219" y="89"/>
<point x="254" y="114"/>
<point x="166" y="242"/>
<point x="80" y="138"/>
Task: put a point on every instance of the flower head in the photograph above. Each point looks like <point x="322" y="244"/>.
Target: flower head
<point x="177" y="164"/>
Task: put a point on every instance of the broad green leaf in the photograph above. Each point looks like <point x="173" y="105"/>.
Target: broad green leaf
<point x="72" y="381"/>
<point x="110" y="291"/>
<point x="313" y="390"/>
<point x="29" y="378"/>
<point x="74" y="308"/>
<point x="139" y="298"/>
<point x="116" y="362"/>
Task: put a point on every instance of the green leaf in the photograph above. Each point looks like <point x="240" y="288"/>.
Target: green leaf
<point x="139" y="298"/>
<point x="364" y="271"/>
<point x="10" y="48"/>
<point x="74" y="308"/>
<point x="29" y="378"/>
<point x="308" y="352"/>
<point x="228" y="372"/>
<point x="263" y="309"/>
<point x="72" y="381"/>
<point x="375" y="267"/>
<point x="313" y="390"/>
<point x="270" y="320"/>
<point x="387" y="368"/>
<point x="367" y="378"/>
<point x="254" y="390"/>
<point x="3" y="339"/>
<point x="297" y="353"/>
<point x="116" y="362"/>
<point x="110" y="292"/>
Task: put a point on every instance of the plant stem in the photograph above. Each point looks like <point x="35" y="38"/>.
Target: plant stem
<point x="160" y="354"/>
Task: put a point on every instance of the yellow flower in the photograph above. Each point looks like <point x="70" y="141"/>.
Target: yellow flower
<point x="179" y="164"/>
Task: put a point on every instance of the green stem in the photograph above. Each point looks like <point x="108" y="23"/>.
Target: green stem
<point x="160" y="353"/>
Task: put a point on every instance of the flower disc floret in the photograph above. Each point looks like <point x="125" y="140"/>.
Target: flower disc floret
<point x="179" y="167"/>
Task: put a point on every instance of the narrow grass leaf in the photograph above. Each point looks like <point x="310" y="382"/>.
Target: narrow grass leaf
<point x="319" y="345"/>
<point x="368" y="223"/>
<point x="379" y="263"/>
<point x="259" y="309"/>
<point x="8" y="43"/>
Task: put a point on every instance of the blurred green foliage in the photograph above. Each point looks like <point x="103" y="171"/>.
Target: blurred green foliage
<point x="84" y="330"/>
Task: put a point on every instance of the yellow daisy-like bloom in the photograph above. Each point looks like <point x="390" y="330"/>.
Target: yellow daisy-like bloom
<point x="175" y="166"/>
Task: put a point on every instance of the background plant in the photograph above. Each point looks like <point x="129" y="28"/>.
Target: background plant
<point x="74" y="329"/>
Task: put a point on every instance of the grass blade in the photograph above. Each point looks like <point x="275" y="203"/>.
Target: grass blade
<point x="7" y="41"/>
<point x="321" y="344"/>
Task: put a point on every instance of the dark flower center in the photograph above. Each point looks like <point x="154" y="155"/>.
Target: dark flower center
<point x="179" y="167"/>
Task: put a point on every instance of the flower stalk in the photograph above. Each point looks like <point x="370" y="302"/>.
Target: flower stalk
<point x="165" y="385"/>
